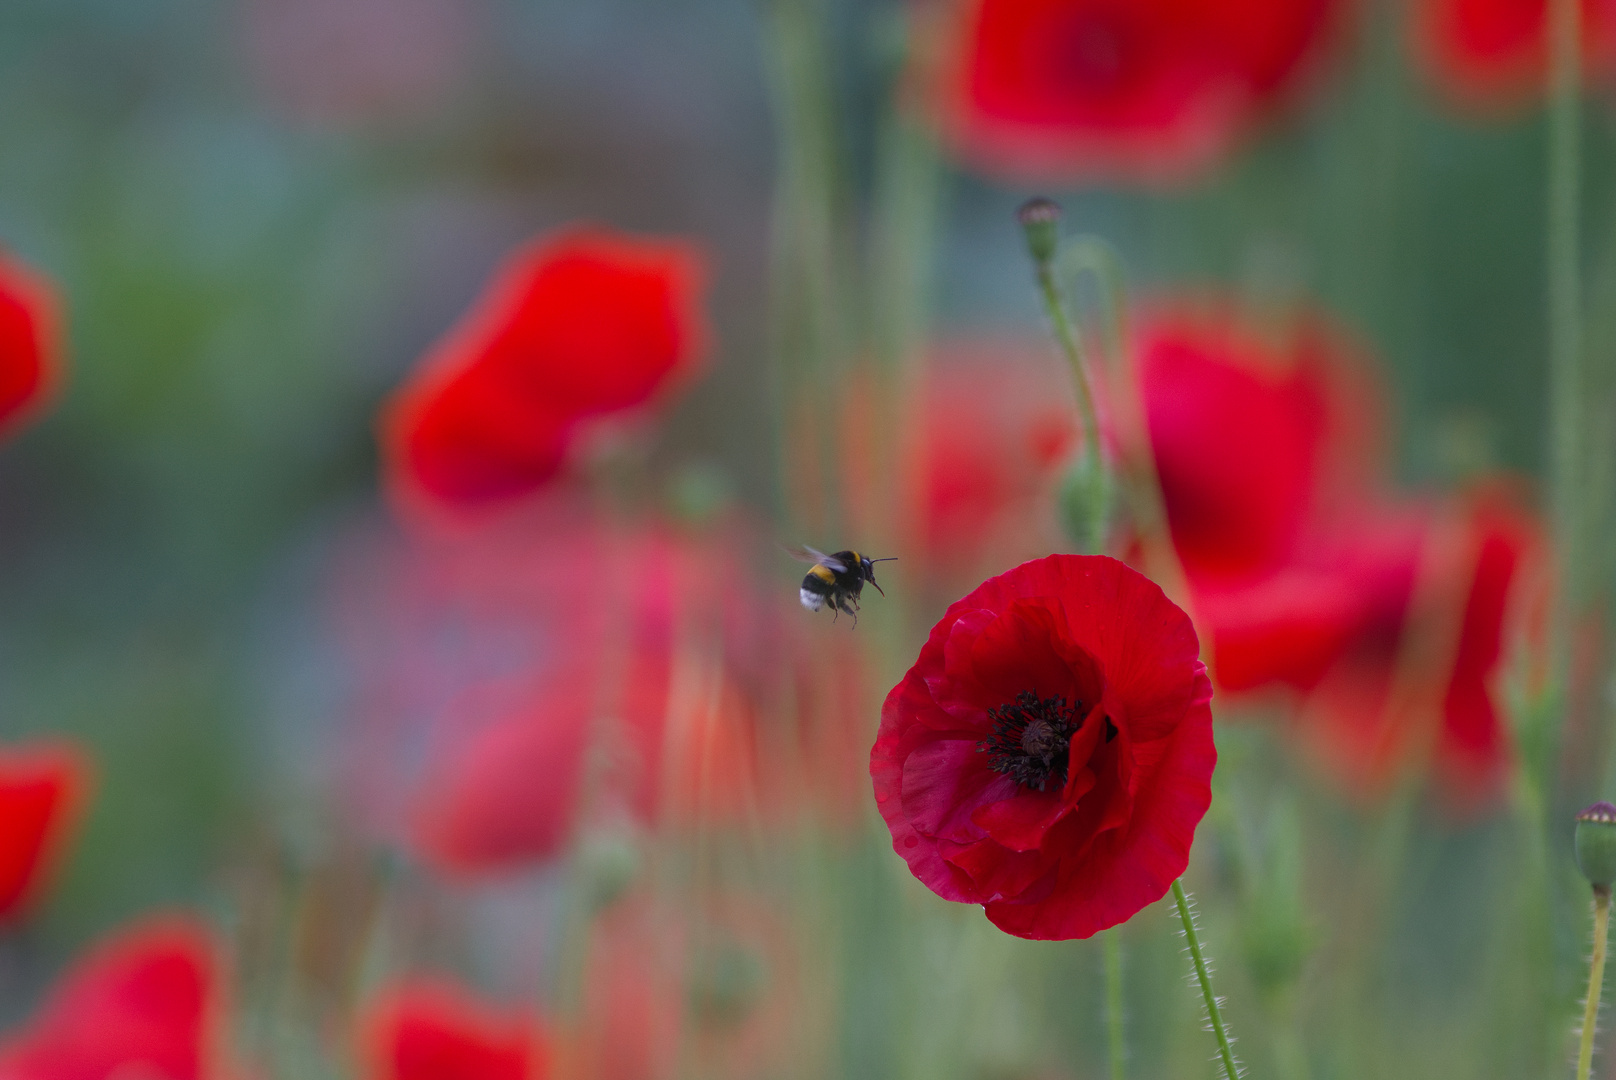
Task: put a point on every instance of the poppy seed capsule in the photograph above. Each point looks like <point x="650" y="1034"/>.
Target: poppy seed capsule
<point x="1039" y="218"/>
<point x="1595" y="845"/>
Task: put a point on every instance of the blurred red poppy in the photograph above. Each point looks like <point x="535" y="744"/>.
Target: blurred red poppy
<point x="1050" y="753"/>
<point x="574" y="327"/>
<point x="30" y="342"/>
<point x="1077" y="89"/>
<point x="147" y="1001"/>
<point x="432" y="1029"/>
<point x="499" y="669"/>
<point x="994" y="422"/>
<point x="43" y="787"/>
<point x="1305" y="573"/>
<point x="714" y="984"/>
<point x="1492" y="55"/>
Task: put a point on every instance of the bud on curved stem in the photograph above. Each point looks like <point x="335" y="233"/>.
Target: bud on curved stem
<point x="1595" y="846"/>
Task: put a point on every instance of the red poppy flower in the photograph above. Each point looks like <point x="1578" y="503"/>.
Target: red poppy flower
<point x="42" y="788"/>
<point x="574" y="327"/>
<point x="1050" y="753"/>
<point x="1478" y="565"/>
<point x="1057" y="89"/>
<point x="1492" y="55"/>
<point x="994" y="423"/>
<point x="431" y="1029"/>
<point x="30" y="342"/>
<point x="146" y="1001"/>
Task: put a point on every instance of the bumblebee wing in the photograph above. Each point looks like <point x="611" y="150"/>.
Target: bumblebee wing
<point x="818" y="558"/>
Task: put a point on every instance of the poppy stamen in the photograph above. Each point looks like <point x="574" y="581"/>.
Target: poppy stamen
<point x="1031" y="739"/>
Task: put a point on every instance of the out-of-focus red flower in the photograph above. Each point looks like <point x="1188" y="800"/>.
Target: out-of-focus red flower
<point x="566" y="667"/>
<point x="1492" y="55"/>
<point x="1078" y="89"/>
<point x="147" y="1001"/>
<point x="1419" y="677"/>
<point x="1050" y="753"/>
<point x="575" y="327"/>
<point x="716" y="984"/>
<point x="1253" y="439"/>
<point x="994" y="422"/>
<point x="432" y="1029"/>
<point x="1305" y="574"/>
<point x="42" y="789"/>
<point x="30" y="342"/>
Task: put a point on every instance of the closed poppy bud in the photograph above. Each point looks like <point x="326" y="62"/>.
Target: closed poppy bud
<point x="1040" y="220"/>
<point x="1595" y="845"/>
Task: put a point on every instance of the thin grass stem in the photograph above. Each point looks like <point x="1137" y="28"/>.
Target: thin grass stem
<point x="1112" y="943"/>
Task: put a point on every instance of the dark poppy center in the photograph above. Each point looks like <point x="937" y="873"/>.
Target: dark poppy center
<point x="1031" y="739"/>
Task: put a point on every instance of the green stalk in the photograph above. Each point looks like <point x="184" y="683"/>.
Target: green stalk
<point x="1204" y="977"/>
<point x="1112" y="942"/>
<point x="1596" y="982"/>
<point x="1039" y="218"/>
<point x="1564" y="300"/>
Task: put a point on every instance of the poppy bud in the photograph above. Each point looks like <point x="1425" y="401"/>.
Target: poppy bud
<point x="1040" y="220"/>
<point x="1595" y="845"/>
<point x="1088" y="503"/>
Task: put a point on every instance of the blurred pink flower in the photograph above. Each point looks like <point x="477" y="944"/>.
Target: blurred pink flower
<point x="146" y="1001"/>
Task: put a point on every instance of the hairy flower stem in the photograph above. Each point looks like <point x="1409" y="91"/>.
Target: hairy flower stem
<point x="1204" y="977"/>
<point x="1112" y="942"/>
<point x="1564" y="285"/>
<point x="1596" y="982"/>
<point x="1071" y="347"/>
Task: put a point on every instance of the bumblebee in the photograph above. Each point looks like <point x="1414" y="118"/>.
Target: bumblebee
<point x="836" y="579"/>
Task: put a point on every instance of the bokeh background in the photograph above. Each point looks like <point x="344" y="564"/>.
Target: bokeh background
<point x="261" y="213"/>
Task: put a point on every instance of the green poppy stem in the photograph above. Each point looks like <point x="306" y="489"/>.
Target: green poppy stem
<point x="1596" y="982"/>
<point x="1040" y="217"/>
<point x="1204" y="977"/>
<point x="1112" y="942"/>
<point x="1564" y="299"/>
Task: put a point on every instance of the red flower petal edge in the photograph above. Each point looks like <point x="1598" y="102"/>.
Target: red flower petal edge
<point x="42" y="789"/>
<point x="30" y="343"/>
<point x="1050" y="753"/>
<point x="145" y="1001"/>
<point x="575" y="326"/>
<point x="432" y="1029"/>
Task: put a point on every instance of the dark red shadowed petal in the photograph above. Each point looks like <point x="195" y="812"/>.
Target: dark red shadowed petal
<point x="1050" y="862"/>
<point x="30" y="343"/>
<point x="432" y="1029"/>
<point x="43" y="788"/>
<point x="147" y="1000"/>
<point x="579" y="325"/>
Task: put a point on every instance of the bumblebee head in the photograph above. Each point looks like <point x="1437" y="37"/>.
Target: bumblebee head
<point x="867" y="569"/>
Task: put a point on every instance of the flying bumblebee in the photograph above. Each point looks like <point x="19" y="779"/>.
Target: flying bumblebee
<point x="836" y="579"/>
